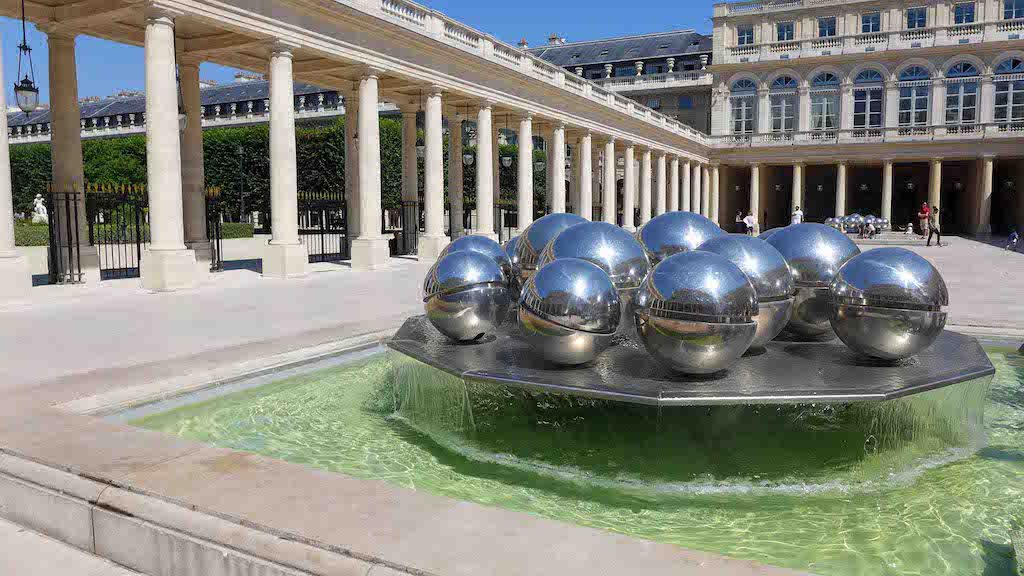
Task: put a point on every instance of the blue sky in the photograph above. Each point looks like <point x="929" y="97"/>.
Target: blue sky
<point x="106" y="67"/>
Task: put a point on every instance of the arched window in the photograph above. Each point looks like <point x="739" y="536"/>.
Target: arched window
<point x="1010" y="91"/>
<point x="962" y="94"/>
<point x="743" y="102"/>
<point x="825" y="102"/>
<point x="783" y="100"/>
<point x="915" y="91"/>
<point x="868" y="98"/>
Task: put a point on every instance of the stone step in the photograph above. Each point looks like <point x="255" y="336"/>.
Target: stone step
<point x="27" y="553"/>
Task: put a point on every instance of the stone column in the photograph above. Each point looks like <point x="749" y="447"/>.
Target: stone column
<point x="549" y="155"/>
<point x="456" y="186"/>
<point x="754" y="201"/>
<point x="66" y="136"/>
<point x="798" y="186"/>
<point x="935" y="183"/>
<point x="574" y="177"/>
<point x="495" y="170"/>
<point x="285" y="256"/>
<point x="673" y="185"/>
<point x="485" y="173"/>
<point x="410" y="172"/>
<point x="985" y="196"/>
<point x="524" y="176"/>
<point x="660" y="187"/>
<point x="558" y="169"/>
<point x="609" y="199"/>
<point x="645" y="186"/>
<point x="628" y="189"/>
<point x="705" y="191"/>
<point x="716" y="196"/>
<point x="15" y="275"/>
<point x="887" y="165"/>
<point x="370" y="250"/>
<point x="695" y="187"/>
<point x="351" y="166"/>
<point x="686" y="187"/>
<point x="434" y="240"/>
<point x="840" y="189"/>
<point x="585" y="176"/>
<point x="166" y="263"/>
<point x="803" y="119"/>
<point x="193" y="179"/>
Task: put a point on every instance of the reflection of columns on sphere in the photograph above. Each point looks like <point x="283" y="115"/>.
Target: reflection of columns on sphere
<point x="524" y="182"/>
<point x="629" y="189"/>
<point x="434" y="240"/>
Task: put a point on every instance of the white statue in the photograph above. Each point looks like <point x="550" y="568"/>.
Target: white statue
<point x="39" y="213"/>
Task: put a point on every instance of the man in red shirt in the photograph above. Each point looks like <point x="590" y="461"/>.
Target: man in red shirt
<point x="922" y="218"/>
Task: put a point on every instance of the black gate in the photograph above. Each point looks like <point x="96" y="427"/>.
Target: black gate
<point x="506" y="219"/>
<point x="214" y="229"/>
<point x="408" y="242"/>
<point x="64" y="254"/>
<point x="323" y="226"/>
<point x="119" y="229"/>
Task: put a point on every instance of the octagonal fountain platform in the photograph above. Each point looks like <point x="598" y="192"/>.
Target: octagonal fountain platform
<point x="785" y="373"/>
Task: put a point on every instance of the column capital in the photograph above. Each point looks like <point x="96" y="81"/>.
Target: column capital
<point x="408" y="107"/>
<point x="715" y="163"/>
<point x="280" y="47"/>
<point x="887" y="161"/>
<point x="159" y="13"/>
<point x="435" y="90"/>
<point x="372" y="72"/>
<point x="989" y="157"/>
<point x="57" y="34"/>
<point x="186" y="61"/>
<point x="936" y="160"/>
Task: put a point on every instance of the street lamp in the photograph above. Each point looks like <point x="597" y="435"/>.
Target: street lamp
<point x="468" y="158"/>
<point x="26" y="92"/>
<point x="506" y="161"/>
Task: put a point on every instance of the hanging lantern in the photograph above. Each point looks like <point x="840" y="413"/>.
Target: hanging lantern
<point x="538" y="165"/>
<point x="26" y="91"/>
<point x="506" y="161"/>
<point x="468" y="159"/>
<point x="420" y="150"/>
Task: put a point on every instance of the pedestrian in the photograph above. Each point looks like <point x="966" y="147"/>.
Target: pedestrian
<point x="1011" y="244"/>
<point x="922" y="219"/>
<point x="933" y="227"/>
<point x="741" y="228"/>
<point x="797" y="217"/>
<point x="751" y="223"/>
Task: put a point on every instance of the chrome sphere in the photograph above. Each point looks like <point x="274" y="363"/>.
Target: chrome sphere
<point x="815" y="253"/>
<point x="888" y="303"/>
<point x="854" y="221"/>
<point x="871" y="220"/>
<point x="696" y="312"/>
<point x="768" y="233"/>
<point x="535" y="238"/>
<point x="674" y="232"/>
<point x="569" y="311"/>
<point x="466" y="295"/>
<point x="482" y="245"/>
<point x="770" y="275"/>
<point x="514" y="282"/>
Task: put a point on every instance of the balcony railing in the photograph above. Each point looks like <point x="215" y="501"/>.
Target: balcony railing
<point x="656" y="81"/>
<point x="966" y="132"/>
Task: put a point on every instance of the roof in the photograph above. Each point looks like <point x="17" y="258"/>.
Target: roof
<point x="221" y="94"/>
<point x="626" y="48"/>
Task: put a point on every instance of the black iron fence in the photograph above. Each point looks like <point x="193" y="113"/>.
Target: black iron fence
<point x="214" y="228"/>
<point x="64" y="255"/>
<point x="506" y="220"/>
<point x="118" y="228"/>
<point x="323" y="226"/>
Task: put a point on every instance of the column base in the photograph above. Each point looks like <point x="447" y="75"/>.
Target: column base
<point x="491" y="235"/>
<point x="285" y="261"/>
<point x="629" y="228"/>
<point x="168" y="270"/>
<point x="15" y="279"/>
<point x="983" y="230"/>
<point x="430" y="247"/>
<point x="203" y="250"/>
<point x="90" y="256"/>
<point x="370" y="253"/>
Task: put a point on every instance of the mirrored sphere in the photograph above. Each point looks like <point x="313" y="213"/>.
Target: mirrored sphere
<point x="695" y="313"/>
<point x="569" y="311"/>
<point x="768" y="272"/>
<point x="888" y="303"/>
<point x="768" y="233"/>
<point x="815" y="253"/>
<point x="465" y="295"/>
<point x="482" y="245"/>
<point x="675" y="232"/>
<point x="514" y="281"/>
<point x="538" y="234"/>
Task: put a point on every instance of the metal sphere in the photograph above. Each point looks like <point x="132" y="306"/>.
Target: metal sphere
<point x="815" y="253"/>
<point x="535" y="238"/>
<point x="569" y="311"/>
<point x="674" y="232"/>
<point x="768" y="233"/>
<point x="466" y="295"/>
<point x="482" y="245"/>
<point x="871" y="220"/>
<point x="888" y="303"/>
<point x="696" y="313"/>
<point x="514" y="281"/>
<point x="768" y="272"/>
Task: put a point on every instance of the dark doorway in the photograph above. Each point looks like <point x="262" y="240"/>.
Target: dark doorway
<point x="819" y="192"/>
<point x="864" y="190"/>
<point x="910" y="190"/>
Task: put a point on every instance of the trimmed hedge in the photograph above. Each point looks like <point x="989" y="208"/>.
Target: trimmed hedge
<point x="230" y="230"/>
<point x="28" y="234"/>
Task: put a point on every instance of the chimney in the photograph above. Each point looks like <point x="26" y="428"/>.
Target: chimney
<point x="523" y="44"/>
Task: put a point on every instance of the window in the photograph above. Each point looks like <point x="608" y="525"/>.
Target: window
<point x="917" y="18"/>
<point x="656" y="68"/>
<point x="825" y="102"/>
<point x="963" y="13"/>
<point x="784" y="31"/>
<point x="744" y="35"/>
<point x="629" y="70"/>
<point x="782" y="98"/>
<point x="871" y="23"/>
<point x="685" y="102"/>
<point x="595" y="74"/>
<point x="744" y="106"/>
<point x="1009" y="91"/>
<point x="654" y="103"/>
<point x="868" y="96"/>
<point x="914" y="97"/>
<point x="1013" y="9"/>
<point x="827" y="26"/>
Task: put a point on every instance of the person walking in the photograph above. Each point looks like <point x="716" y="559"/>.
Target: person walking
<point x="934" y="228"/>
<point x="751" y="224"/>
<point x="797" y="217"/>
<point x="922" y="219"/>
<point x="741" y="228"/>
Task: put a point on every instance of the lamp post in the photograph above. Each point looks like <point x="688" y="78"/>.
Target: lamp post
<point x="25" y="91"/>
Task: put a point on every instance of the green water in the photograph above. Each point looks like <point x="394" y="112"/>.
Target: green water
<point x="890" y="489"/>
